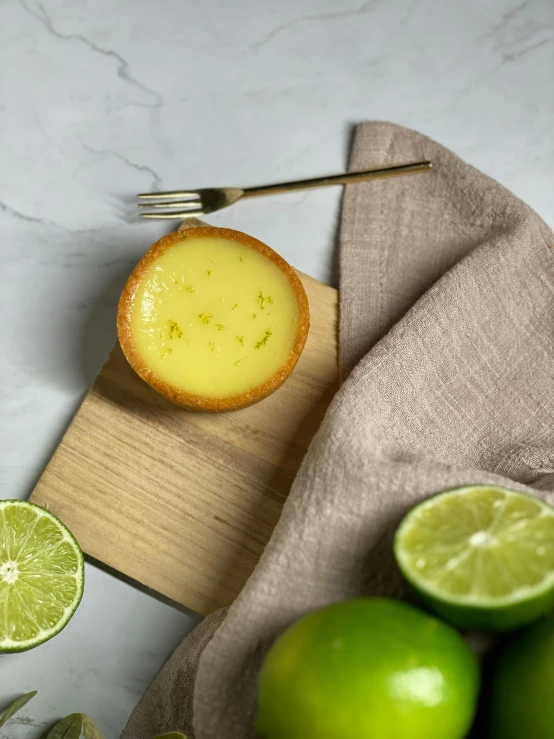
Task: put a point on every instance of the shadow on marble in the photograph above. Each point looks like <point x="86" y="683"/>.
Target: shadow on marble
<point x="334" y="270"/>
<point x="77" y="304"/>
<point x="195" y="617"/>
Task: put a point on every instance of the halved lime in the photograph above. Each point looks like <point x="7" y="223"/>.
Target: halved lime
<point x="41" y="575"/>
<point x="480" y="556"/>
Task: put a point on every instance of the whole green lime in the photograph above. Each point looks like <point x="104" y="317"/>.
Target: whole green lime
<point x="522" y="691"/>
<point x="369" y="668"/>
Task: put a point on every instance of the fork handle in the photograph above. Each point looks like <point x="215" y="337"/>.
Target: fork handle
<point x="338" y="179"/>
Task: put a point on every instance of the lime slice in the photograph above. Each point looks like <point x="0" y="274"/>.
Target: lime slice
<point x="41" y="575"/>
<point x="481" y="557"/>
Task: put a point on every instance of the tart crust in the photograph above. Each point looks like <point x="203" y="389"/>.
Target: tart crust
<point x="182" y="397"/>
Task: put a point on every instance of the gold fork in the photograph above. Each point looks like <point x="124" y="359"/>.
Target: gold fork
<point x="201" y="202"/>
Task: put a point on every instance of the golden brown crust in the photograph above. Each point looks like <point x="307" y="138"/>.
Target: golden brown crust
<point x="188" y="400"/>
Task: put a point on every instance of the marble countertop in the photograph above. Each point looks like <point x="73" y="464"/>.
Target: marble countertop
<point x="99" y="101"/>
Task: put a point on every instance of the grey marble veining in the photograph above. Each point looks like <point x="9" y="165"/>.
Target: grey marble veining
<point x="99" y="101"/>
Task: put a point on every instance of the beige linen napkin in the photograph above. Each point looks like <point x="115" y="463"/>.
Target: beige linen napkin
<point x="447" y="315"/>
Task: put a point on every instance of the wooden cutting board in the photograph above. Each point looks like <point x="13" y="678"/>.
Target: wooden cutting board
<point x="185" y="502"/>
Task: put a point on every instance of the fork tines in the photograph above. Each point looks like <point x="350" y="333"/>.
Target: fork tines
<point x="191" y="206"/>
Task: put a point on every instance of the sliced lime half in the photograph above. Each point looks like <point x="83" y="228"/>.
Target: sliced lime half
<point x="481" y="557"/>
<point x="41" y="575"/>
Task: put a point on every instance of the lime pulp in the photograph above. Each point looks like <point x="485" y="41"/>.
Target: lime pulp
<point x="480" y="556"/>
<point x="41" y="575"/>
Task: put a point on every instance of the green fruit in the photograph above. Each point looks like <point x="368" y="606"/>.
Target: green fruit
<point x="369" y="668"/>
<point x="522" y="691"/>
<point x="41" y="575"/>
<point x="482" y="557"/>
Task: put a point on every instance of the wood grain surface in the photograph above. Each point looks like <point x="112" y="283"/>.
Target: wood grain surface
<point x="185" y="502"/>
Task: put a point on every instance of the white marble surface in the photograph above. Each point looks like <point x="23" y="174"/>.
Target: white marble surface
<point x="100" y="100"/>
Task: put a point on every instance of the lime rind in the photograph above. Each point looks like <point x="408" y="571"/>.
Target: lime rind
<point x="41" y="575"/>
<point x="481" y="556"/>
